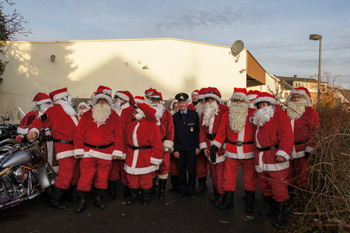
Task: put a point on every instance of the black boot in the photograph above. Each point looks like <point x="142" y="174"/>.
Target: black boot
<point x="281" y="209"/>
<point x="228" y="203"/>
<point x="56" y="198"/>
<point x="69" y="194"/>
<point x="112" y="188"/>
<point x="249" y="201"/>
<point x="146" y="196"/>
<point x="215" y="196"/>
<point x="202" y="185"/>
<point x="132" y="196"/>
<point x="174" y="183"/>
<point x="126" y="192"/>
<point x="220" y="200"/>
<point x="82" y="203"/>
<point x="155" y="185"/>
<point x="272" y="207"/>
<point x="100" y="193"/>
<point x="162" y="184"/>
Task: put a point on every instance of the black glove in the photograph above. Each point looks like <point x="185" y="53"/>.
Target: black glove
<point x="307" y="154"/>
<point x="213" y="151"/>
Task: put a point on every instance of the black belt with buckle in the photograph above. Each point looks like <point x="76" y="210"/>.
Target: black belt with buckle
<point x="269" y="148"/>
<point x="140" y="147"/>
<point x="63" y="141"/>
<point x="300" y="142"/>
<point x="240" y="143"/>
<point x="211" y="136"/>
<point x="98" y="146"/>
<point x="48" y="138"/>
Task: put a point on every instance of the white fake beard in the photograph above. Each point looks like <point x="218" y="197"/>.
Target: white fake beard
<point x="263" y="115"/>
<point x="117" y="105"/>
<point x="100" y="113"/>
<point x="251" y="105"/>
<point x="296" y="109"/>
<point x="238" y="116"/>
<point x="44" y="107"/>
<point x="200" y="108"/>
<point x="210" y="110"/>
<point x="67" y="107"/>
<point x="159" y="111"/>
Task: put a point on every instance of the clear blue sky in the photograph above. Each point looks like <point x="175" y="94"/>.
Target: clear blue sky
<point x="276" y="32"/>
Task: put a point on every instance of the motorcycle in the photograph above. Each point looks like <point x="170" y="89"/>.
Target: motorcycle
<point x="8" y="132"/>
<point x="25" y="173"/>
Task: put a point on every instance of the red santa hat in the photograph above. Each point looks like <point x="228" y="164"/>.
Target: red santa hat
<point x="252" y="94"/>
<point x="201" y="93"/>
<point x="125" y="95"/>
<point x="195" y="92"/>
<point x="149" y="91"/>
<point x="41" y="98"/>
<point x="172" y="103"/>
<point x="303" y="92"/>
<point x="146" y="111"/>
<point x="139" y="99"/>
<point x="59" y="94"/>
<point x="213" y="92"/>
<point x="102" y="92"/>
<point x="157" y="96"/>
<point x="265" y="97"/>
<point x="239" y="94"/>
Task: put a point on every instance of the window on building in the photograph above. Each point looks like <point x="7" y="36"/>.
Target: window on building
<point x="297" y="84"/>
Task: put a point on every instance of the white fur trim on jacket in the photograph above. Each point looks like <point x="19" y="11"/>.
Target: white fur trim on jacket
<point x="219" y="159"/>
<point x="96" y="154"/>
<point x="309" y="149"/>
<point x="22" y="130"/>
<point x="297" y="155"/>
<point x="168" y="146"/>
<point x="65" y="154"/>
<point x="272" y="167"/>
<point x="119" y="154"/>
<point x="78" y="152"/>
<point x="216" y="143"/>
<point x="282" y="154"/>
<point x="231" y="155"/>
<point x="156" y="161"/>
<point x="140" y="171"/>
<point x="203" y="145"/>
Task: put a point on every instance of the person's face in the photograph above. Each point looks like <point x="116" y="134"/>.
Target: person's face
<point x="82" y="108"/>
<point x="251" y="101"/>
<point x="263" y="105"/>
<point x="183" y="105"/>
<point x="176" y="106"/>
<point x="237" y="101"/>
<point x="155" y="101"/>
<point x="209" y="100"/>
<point x="102" y="101"/>
<point x="296" y="98"/>
<point x="194" y="98"/>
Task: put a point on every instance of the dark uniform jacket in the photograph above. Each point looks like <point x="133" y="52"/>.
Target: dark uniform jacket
<point x="186" y="130"/>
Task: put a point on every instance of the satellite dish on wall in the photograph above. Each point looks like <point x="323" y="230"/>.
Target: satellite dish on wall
<point x="237" y="47"/>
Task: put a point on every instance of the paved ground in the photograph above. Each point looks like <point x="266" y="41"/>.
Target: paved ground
<point x="171" y="215"/>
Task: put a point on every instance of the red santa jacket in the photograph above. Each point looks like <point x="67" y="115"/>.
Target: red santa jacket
<point x="62" y="127"/>
<point x="142" y="133"/>
<point x="191" y="106"/>
<point x="277" y="131"/>
<point x="88" y="132"/>
<point x="210" y="131"/>
<point x="166" y="129"/>
<point x="125" y="118"/>
<point x="27" y="121"/>
<point x="304" y="129"/>
<point x="244" y="151"/>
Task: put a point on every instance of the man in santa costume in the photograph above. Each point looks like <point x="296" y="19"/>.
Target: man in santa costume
<point x="144" y="151"/>
<point x="82" y="108"/>
<point x="61" y="120"/>
<point x="148" y="93"/>
<point x="194" y="100"/>
<point x="239" y="132"/>
<point x="274" y="139"/>
<point x="304" y="120"/>
<point x="201" y="159"/>
<point x="93" y="144"/>
<point x="210" y="122"/>
<point x="122" y="104"/>
<point x="174" y="165"/>
<point x="252" y="95"/>
<point x="139" y="99"/>
<point x="166" y="129"/>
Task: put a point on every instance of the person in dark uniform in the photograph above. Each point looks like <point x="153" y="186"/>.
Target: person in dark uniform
<point x="186" y="144"/>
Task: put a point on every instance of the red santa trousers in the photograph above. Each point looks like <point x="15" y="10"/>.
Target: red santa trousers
<point x="68" y="172"/>
<point x="165" y="165"/>
<point x="114" y="173"/>
<point x="248" y="171"/>
<point x="299" y="172"/>
<point x="274" y="184"/>
<point x="174" y="166"/>
<point x="201" y="165"/>
<point x="217" y="175"/>
<point x="144" y="181"/>
<point x="93" y="170"/>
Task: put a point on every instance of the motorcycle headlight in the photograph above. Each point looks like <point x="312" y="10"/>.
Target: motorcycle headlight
<point x="21" y="174"/>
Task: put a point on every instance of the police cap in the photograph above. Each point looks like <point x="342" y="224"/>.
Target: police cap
<point x="181" y="97"/>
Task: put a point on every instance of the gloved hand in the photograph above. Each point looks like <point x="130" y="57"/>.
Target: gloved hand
<point x="307" y="154"/>
<point x="213" y="151"/>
